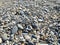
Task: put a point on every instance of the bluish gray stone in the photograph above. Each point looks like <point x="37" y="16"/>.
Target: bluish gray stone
<point x="14" y="29"/>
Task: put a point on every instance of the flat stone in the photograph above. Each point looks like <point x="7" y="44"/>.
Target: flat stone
<point x="4" y="36"/>
<point x="28" y="37"/>
<point x="20" y="26"/>
<point x="22" y="38"/>
<point x="40" y="20"/>
<point x="52" y="32"/>
<point x="14" y="29"/>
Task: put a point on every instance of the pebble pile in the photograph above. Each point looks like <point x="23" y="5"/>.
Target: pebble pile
<point x="29" y="22"/>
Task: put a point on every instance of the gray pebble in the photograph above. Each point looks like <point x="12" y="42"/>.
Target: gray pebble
<point x="14" y="29"/>
<point x="4" y="36"/>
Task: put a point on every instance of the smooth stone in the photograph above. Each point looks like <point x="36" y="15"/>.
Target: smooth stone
<point x="34" y="26"/>
<point x="14" y="29"/>
<point x="28" y="37"/>
<point x="40" y="20"/>
<point x="7" y="42"/>
<point x="52" y="32"/>
<point x="22" y="38"/>
<point x="20" y="26"/>
<point x="28" y="28"/>
<point x="50" y="25"/>
<point x="21" y="11"/>
<point x="14" y="22"/>
<point x="59" y="34"/>
<point x="59" y="24"/>
<point x="33" y="36"/>
<point x="58" y="43"/>
<point x="0" y="40"/>
<point x="12" y="36"/>
<point x="24" y="33"/>
<point x="29" y="43"/>
<point x="4" y="36"/>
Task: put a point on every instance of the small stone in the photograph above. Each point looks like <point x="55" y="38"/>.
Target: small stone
<point x="30" y="43"/>
<point x="50" y="25"/>
<point x="40" y="20"/>
<point x="34" y="26"/>
<point x="7" y="42"/>
<point x="59" y="24"/>
<point x="14" y="29"/>
<point x="29" y="38"/>
<point x="12" y="36"/>
<point x="28" y="28"/>
<point x="0" y="40"/>
<point x="33" y="36"/>
<point x="52" y="32"/>
<point x="22" y="38"/>
<point x="14" y="22"/>
<point x="20" y="26"/>
<point x="4" y="36"/>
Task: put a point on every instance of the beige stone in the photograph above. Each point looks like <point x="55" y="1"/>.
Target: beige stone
<point x="0" y="40"/>
<point x="0" y="3"/>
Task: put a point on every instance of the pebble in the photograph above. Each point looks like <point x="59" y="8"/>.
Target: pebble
<point x="52" y="32"/>
<point x="28" y="28"/>
<point x="4" y="36"/>
<point x="29" y="21"/>
<point x="29" y="38"/>
<point x="34" y="26"/>
<point x="33" y="36"/>
<point x="57" y="8"/>
<point x="0" y="40"/>
<point x="20" y="26"/>
<point x="14" y="29"/>
<point x="40" y="20"/>
<point x="22" y="38"/>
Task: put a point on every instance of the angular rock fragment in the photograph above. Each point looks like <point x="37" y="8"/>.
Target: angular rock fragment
<point x="14" y="29"/>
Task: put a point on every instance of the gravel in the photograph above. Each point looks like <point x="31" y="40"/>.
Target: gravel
<point x="29" y="22"/>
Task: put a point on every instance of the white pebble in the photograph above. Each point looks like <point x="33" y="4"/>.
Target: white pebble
<point x="0" y="40"/>
<point x="20" y="26"/>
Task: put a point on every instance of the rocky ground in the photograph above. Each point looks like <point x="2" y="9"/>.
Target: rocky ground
<point x="29" y="22"/>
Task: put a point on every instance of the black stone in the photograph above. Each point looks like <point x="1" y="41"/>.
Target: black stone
<point x="57" y="8"/>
